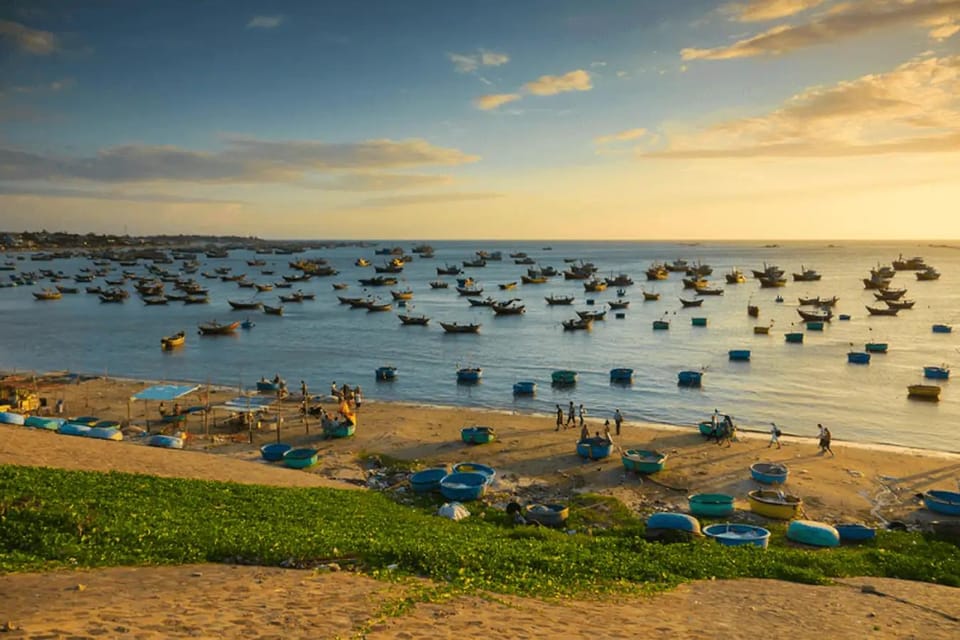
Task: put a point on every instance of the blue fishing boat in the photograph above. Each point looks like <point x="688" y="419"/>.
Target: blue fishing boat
<point x="843" y="316"/>
<point x="469" y="374"/>
<point x="428" y="479"/>
<point x="942" y="328"/>
<point x="815" y="325"/>
<point x="165" y="442"/>
<point x="794" y="337"/>
<point x="855" y="532"/>
<point x="937" y="373"/>
<point x="463" y="486"/>
<point x="104" y="433"/>
<point x="667" y="525"/>
<point x="769" y="472"/>
<point x="739" y="355"/>
<point x="643" y="461"/>
<point x="39" y="422"/>
<point x="342" y="429"/>
<point x="386" y="373"/>
<point x="594" y="448"/>
<point x="690" y="378"/>
<point x="698" y="321"/>
<point x="274" y="452"/>
<point x="945" y="502"/>
<point x="712" y="505"/>
<point x="524" y="388"/>
<point x="300" y="458"/>
<point x="661" y="325"/>
<point x="72" y="429"/>
<point x="8" y="417"/>
<point x="269" y="385"/>
<point x="478" y="435"/>
<point x="816" y="534"/>
<point x="858" y="357"/>
<point x="875" y="347"/>
<point x="734" y="535"/>
<point x="475" y="467"/>
<point x="621" y="375"/>
<point x="548" y="515"/>
<point x="563" y="377"/>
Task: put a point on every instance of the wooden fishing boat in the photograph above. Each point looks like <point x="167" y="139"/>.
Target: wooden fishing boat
<point x="753" y="311"/>
<point x="890" y="294"/>
<point x="559" y="300"/>
<point x="439" y="284"/>
<point x="541" y="279"/>
<point x="693" y="283"/>
<point x="924" y="391"/>
<point x="469" y="374"/>
<point x="761" y="330"/>
<point x="915" y="263"/>
<point x="453" y="327"/>
<point x="822" y="315"/>
<point x="174" y="341"/>
<point x="340" y="286"/>
<point x="735" y="276"/>
<point x="47" y="294"/>
<point x="296" y="297"/>
<point x="273" y="311"/>
<point x="806" y="275"/>
<point x="661" y="325"/>
<point x="154" y="300"/>
<point x="618" y="304"/>
<point x="470" y="291"/>
<point x="508" y="308"/>
<point x="643" y="461"/>
<point x="691" y="303"/>
<point x="889" y="311"/>
<point x="576" y="324"/>
<point x="708" y="291"/>
<point x="620" y="280"/>
<point x="594" y="285"/>
<point x="379" y="281"/>
<point x="774" y="504"/>
<point x="482" y="302"/>
<point x="657" y="272"/>
<point x="413" y="320"/>
<point x="769" y="283"/>
<point x="945" y="502"/>
<point x="68" y="290"/>
<point x="900" y="304"/>
<point x="449" y="270"/>
<point x="245" y="304"/>
<point x="214" y="328"/>
<point x="379" y="306"/>
<point x="196" y="300"/>
<point x="649" y="295"/>
<point x="593" y="315"/>
<point x="928" y="274"/>
<point x="406" y="294"/>
<point x="266" y="287"/>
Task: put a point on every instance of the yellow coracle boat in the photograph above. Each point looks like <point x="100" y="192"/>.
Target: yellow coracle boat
<point x="775" y="504"/>
<point x="171" y="342"/>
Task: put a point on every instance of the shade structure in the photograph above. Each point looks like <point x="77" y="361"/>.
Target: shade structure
<point x="165" y="392"/>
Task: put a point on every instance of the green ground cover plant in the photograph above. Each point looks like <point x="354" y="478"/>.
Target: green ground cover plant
<point x="53" y="518"/>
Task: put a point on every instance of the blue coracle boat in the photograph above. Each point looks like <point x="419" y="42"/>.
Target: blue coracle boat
<point x="817" y="534"/>
<point x="945" y="502"/>
<point x="469" y="374"/>
<point x="794" y="337"/>
<point x="690" y="378"/>
<point x="667" y="521"/>
<point x="942" y="328"/>
<point x="858" y="357"/>
<point x="739" y="355"/>
<point x="386" y="373"/>
<point x="300" y="458"/>
<point x="427" y="480"/>
<point x="734" y="535"/>
<point x="594" y="448"/>
<point x="712" y="505"/>
<point x="463" y="486"/>
<point x="475" y="467"/>
<point x="769" y="472"/>
<point x="524" y="388"/>
<point x="274" y="451"/>
<point x="855" y="532"/>
<point x="643" y="461"/>
<point x="478" y="435"/>
<point x="621" y="375"/>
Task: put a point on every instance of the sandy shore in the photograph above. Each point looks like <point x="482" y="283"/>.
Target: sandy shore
<point x="533" y="462"/>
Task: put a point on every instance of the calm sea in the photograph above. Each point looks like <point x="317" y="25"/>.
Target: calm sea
<point x="796" y="385"/>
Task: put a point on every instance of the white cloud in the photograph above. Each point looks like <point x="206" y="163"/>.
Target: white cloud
<point x="426" y="199"/>
<point x="763" y="10"/>
<point x="494" y="100"/>
<point x="265" y="22"/>
<point x="845" y="20"/>
<point x="28" y="40"/>
<point x="470" y="62"/>
<point x="621" y="136"/>
<point x="578" y="80"/>
<point x="913" y="108"/>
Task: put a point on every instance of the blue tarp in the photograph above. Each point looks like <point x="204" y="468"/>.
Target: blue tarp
<point x="165" y="392"/>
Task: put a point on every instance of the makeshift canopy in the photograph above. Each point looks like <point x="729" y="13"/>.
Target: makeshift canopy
<point x="165" y="392"/>
<point x="247" y="404"/>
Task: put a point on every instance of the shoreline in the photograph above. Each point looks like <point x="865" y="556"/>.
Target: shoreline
<point x="787" y="436"/>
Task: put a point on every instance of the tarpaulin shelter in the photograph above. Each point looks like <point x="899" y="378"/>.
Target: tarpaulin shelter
<point x="160" y="393"/>
<point x="247" y="406"/>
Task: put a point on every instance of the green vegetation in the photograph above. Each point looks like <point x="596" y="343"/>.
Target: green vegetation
<point x="53" y="518"/>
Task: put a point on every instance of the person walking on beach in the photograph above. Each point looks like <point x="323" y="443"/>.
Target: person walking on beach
<point x="303" y="389"/>
<point x="617" y="419"/>
<point x="774" y="435"/>
<point x="357" y="398"/>
<point x="820" y="431"/>
<point x="582" y="414"/>
<point x="825" y="438"/>
<point x="559" y="418"/>
<point x="572" y="414"/>
<point x="584" y="433"/>
<point x="606" y="431"/>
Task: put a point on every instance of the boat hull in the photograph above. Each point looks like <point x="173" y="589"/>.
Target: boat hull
<point x="478" y="435"/>
<point x="712" y="505"/>
<point x="643" y="461"/>
<point x="768" y="504"/>
<point x="734" y="535"/>
<point x="817" y="534"/>
<point x="945" y="502"/>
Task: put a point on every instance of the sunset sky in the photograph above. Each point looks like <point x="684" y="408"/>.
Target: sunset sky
<point x="565" y="119"/>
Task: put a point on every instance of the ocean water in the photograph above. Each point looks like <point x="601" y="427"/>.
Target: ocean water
<point x="796" y="385"/>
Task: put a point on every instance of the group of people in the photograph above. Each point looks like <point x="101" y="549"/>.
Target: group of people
<point x="578" y="415"/>
<point x="824" y="438"/>
<point x="722" y="429"/>
<point x="352" y="396"/>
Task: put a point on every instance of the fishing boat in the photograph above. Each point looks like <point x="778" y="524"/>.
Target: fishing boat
<point x="621" y="375"/>
<point x="559" y="300"/>
<point x="941" y="372"/>
<point x="693" y="283"/>
<point x="690" y="378"/>
<point x="900" y="304"/>
<point x="889" y="311"/>
<point x="713" y="505"/>
<point x="875" y="282"/>
<point x="524" y="388"/>
<point x="477" y="435"/>
<point x="769" y="472"/>
<point x="691" y="303"/>
<point x="421" y="320"/>
<point x="269" y="287"/>
<point x="793" y="337"/>
<point x="928" y="274"/>
<point x="643" y="461"/>
<point x="439" y="284"/>
<point x="858" y="357"/>
<point x="661" y="325"/>
<point x="761" y="330"/>
<point x="379" y="306"/>
<point x="67" y="290"/>
<point x="594" y="448"/>
<point x="479" y="262"/>
<point x="469" y="374"/>
<point x="769" y="283"/>
<point x="575" y="324"/>
<point x="708" y="291"/>
<point x="47" y="294"/>
<point x="470" y="291"/>
<point x="174" y="341"/>
<point x="816" y="534"/>
<point x="379" y="281"/>
<point x="657" y="272"/>
<point x="821" y="315"/>
<point x="775" y="504"/>
<point x="541" y="279"/>
<point x="547" y="515"/>
<point x="945" y="502"/>
<point x="482" y="302"/>
<point x="245" y="304"/>
<point x="463" y="486"/>
<point x="595" y="285"/>
<point x="739" y="355"/>
<point x="385" y="373"/>
<point x="942" y="328"/>
<point x="214" y="328"/>
<point x="875" y="347"/>
<point x="915" y="263"/>
<point x="453" y="327"/>
<point x="890" y="294"/>
<point x="618" y="304"/>
<point x="273" y="311"/>
<point x="563" y="377"/>
<point x="593" y="315"/>
<point x="768" y="271"/>
<point x="733" y="534"/>
<point x="924" y="392"/>
<point x="698" y="321"/>
<point x="753" y="311"/>
<point x="448" y="270"/>
<point x="508" y="308"/>
<point x="649" y="295"/>
<point x="806" y="275"/>
<point x="735" y="276"/>
<point x="679" y="265"/>
<point x="154" y="300"/>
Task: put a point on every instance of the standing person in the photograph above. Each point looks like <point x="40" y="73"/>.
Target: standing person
<point x="617" y="419"/>
<point x="303" y="389"/>
<point x="582" y="414"/>
<point x="357" y="398"/>
<point x="820" y="436"/>
<point x="559" y="418"/>
<point x="774" y="435"/>
<point x="606" y="431"/>
<point x="825" y="441"/>
<point x="584" y="433"/>
<point x="60" y="407"/>
<point x="571" y="414"/>
<point x="333" y="390"/>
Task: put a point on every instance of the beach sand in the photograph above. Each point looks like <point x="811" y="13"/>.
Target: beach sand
<point x="534" y="462"/>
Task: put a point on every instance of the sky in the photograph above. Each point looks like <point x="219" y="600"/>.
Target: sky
<point x="499" y="119"/>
